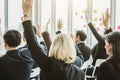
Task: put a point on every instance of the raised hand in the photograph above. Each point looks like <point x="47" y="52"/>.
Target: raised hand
<point x="106" y="20"/>
<point x="72" y="37"/>
<point x="60" y="25"/>
<point x="27" y="7"/>
<point x="47" y="24"/>
<point x="87" y="15"/>
<point x="38" y="30"/>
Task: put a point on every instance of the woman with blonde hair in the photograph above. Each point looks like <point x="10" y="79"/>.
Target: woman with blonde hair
<point x="59" y="65"/>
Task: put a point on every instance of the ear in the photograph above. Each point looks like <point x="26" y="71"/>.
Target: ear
<point x="111" y="46"/>
<point x="79" y="37"/>
<point x="20" y="42"/>
<point x="5" y="44"/>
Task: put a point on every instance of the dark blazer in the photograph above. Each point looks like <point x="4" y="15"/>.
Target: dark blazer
<point x="26" y="52"/>
<point x="98" y="50"/>
<point x="15" y="66"/>
<point x="85" y="50"/>
<point x="47" y="39"/>
<point x="51" y="68"/>
<point x="109" y="71"/>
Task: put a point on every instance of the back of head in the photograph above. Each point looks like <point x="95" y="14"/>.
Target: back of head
<point x="82" y="35"/>
<point x="12" y="38"/>
<point x="62" y="48"/>
<point x="114" y="39"/>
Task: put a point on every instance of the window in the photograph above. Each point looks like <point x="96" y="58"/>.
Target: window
<point x="2" y="16"/>
<point x="2" y="19"/>
<point x="79" y="7"/>
<point x="45" y="14"/>
<point x="61" y="13"/>
<point x="117" y="15"/>
<point x="14" y="13"/>
<point x="98" y="11"/>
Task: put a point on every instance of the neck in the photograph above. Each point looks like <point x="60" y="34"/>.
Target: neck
<point x="80" y="42"/>
<point x="11" y="48"/>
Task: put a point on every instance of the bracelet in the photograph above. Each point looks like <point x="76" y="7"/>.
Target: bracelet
<point x="25" y="18"/>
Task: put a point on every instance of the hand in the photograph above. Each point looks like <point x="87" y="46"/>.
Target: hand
<point x="72" y="36"/>
<point x="87" y="15"/>
<point x="47" y="24"/>
<point x="38" y="30"/>
<point x="106" y="20"/>
<point x="60" y="25"/>
<point x="27" y="7"/>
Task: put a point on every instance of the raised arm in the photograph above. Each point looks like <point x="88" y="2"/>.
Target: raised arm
<point x="59" y="26"/>
<point x="33" y="45"/>
<point x="106" y="20"/>
<point x="92" y="28"/>
<point x="47" y="24"/>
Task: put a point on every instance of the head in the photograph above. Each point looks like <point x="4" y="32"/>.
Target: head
<point x="80" y="36"/>
<point x="62" y="48"/>
<point x="12" y="39"/>
<point x="113" y="40"/>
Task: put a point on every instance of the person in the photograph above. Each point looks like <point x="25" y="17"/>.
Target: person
<point x="110" y="69"/>
<point x="58" y="66"/>
<point x="80" y="42"/>
<point x="24" y="49"/>
<point x="14" y="65"/>
<point x="98" y="51"/>
<point x="46" y="36"/>
<point x="79" y="58"/>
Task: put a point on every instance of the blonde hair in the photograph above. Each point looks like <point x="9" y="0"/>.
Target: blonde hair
<point x="62" y="48"/>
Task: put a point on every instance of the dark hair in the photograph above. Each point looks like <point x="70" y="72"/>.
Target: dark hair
<point x="12" y="38"/>
<point x="82" y="35"/>
<point x="108" y="31"/>
<point x="114" y="39"/>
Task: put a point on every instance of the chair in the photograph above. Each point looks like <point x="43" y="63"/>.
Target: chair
<point x="97" y="64"/>
<point x="34" y="73"/>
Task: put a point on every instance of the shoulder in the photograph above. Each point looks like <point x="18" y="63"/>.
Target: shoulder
<point x="106" y="66"/>
<point x="78" y="74"/>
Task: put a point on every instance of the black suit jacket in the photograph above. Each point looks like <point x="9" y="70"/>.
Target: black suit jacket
<point x="85" y="50"/>
<point x="98" y="50"/>
<point x="15" y="66"/>
<point x="51" y="68"/>
<point x="109" y="71"/>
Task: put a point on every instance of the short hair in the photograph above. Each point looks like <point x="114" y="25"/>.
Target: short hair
<point x="82" y="35"/>
<point x="114" y="39"/>
<point x="62" y="48"/>
<point x="12" y="38"/>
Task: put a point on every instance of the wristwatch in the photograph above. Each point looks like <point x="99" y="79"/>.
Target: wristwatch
<point x="26" y="17"/>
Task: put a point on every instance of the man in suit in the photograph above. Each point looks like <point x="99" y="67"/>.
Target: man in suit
<point x="14" y="65"/>
<point x="80" y="38"/>
<point x="35" y="68"/>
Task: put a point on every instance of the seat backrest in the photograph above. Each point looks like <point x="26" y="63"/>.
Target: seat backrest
<point x="97" y="64"/>
<point x="34" y="73"/>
